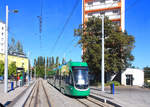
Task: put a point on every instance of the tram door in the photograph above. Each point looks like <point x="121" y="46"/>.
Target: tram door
<point x="129" y="79"/>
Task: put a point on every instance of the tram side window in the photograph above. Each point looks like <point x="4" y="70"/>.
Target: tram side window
<point x="66" y="79"/>
<point x="70" y="79"/>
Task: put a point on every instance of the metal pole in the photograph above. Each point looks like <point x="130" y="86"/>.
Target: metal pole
<point x="82" y="11"/>
<point x="102" y="65"/>
<point x="6" y="54"/>
<point x="35" y="72"/>
<point x="28" y="70"/>
<point x="31" y="74"/>
<point x="45" y="70"/>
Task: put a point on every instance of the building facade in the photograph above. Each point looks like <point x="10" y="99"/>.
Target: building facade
<point x="2" y="37"/>
<point x="132" y="77"/>
<point x="21" y="62"/>
<point x="113" y="9"/>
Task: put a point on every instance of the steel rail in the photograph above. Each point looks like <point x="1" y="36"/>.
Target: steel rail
<point x="36" y="97"/>
<point x="29" y="96"/>
<point x="49" y="104"/>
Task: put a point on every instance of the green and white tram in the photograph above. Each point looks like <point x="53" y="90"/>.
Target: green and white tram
<point x="72" y="79"/>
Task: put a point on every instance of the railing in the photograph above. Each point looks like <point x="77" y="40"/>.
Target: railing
<point x="101" y="6"/>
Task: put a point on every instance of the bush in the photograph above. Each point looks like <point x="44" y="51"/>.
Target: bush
<point x="116" y="83"/>
<point x="146" y="84"/>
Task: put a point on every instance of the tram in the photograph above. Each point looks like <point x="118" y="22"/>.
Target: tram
<point x="71" y="79"/>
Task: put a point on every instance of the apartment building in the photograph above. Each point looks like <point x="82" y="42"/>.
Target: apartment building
<point x="2" y="37"/>
<point x="113" y="9"/>
<point x="21" y="61"/>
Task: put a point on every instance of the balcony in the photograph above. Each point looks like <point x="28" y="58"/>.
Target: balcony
<point x="101" y="7"/>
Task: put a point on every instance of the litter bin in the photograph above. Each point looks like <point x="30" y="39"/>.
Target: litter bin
<point x="112" y="88"/>
<point x="12" y="85"/>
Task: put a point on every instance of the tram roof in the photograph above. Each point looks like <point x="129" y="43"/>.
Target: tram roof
<point x="70" y="63"/>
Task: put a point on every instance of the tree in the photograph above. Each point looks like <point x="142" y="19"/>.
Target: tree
<point x="11" y="46"/>
<point x="63" y="61"/>
<point x="147" y="73"/>
<point x="15" y="48"/>
<point x="57" y="61"/>
<point x="19" y="48"/>
<point x="1" y="68"/>
<point x="118" y="46"/>
<point x="12" y="69"/>
<point x="147" y="69"/>
<point x="47" y="63"/>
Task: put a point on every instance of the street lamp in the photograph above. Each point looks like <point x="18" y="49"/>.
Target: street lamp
<point x="102" y="63"/>
<point x="6" y="51"/>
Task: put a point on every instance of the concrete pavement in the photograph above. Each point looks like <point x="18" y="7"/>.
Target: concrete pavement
<point x="125" y="96"/>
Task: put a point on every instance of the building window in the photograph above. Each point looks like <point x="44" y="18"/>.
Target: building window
<point x="2" y="28"/>
<point x="102" y="1"/>
<point x="102" y="13"/>
<point x="117" y="23"/>
<point x="90" y="3"/>
<point x="2" y="33"/>
<point x="116" y="12"/>
<point x="22" y="64"/>
<point x="116" y="0"/>
<point x="90" y="14"/>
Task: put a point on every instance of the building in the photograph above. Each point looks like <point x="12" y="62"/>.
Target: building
<point x="132" y="77"/>
<point x="21" y="61"/>
<point x="113" y="9"/>
<point x="2" y="37"/>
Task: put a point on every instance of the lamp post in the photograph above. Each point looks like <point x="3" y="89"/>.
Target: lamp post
<point x="102" y="63"/>
<point x="6" y="51"/>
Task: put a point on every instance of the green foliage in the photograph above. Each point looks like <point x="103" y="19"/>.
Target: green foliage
<point x="147" y="73"/>
<point x="51" y="73"/>
<point x="147" y="69"/>
<point x="39" y="64"/>
<point x="118" y="46"/>
<point x="14" y="47"/>
<point x="57" y="61"/>
<point x="12" y="69"/>
<point x="63" y="61"/>
<point x="116" y="83"/>
<point x="1" y="68"/>
<point x="19" y="47"/>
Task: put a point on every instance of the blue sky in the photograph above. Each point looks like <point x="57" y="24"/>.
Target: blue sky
<point x="24" y="26"/>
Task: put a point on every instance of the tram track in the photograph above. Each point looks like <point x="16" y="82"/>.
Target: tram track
<point x="91" y="102"/>
<point x="33" y="92"/>
<point x="46" y="94"/>
<point x="30" y="97"/>
<point x="38" y="96"/>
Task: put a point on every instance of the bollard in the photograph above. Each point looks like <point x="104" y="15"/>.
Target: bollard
<point x="12" y="85"/>
<point x="112" y="88"/>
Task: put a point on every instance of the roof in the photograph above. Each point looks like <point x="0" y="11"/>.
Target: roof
<point x="77" y="63"/>
<point x="16" y="55"/>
